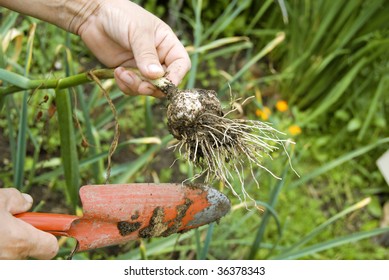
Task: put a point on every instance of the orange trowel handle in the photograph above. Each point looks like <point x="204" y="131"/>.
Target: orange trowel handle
<point x="57" y="224"/>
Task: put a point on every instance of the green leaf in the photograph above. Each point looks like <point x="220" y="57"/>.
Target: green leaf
<point x="68" y="144"/>
<point x="159" y="246"/>
<point x="22" y="130"/>
<point x="336" y="242"/>
<point x="265" y="219"/>
<point x="207" y="242"/>
<point x="266" y="50"/>
<point x="127" y="170"/>
<point x="335" y="94"/>
<point x="148" y="116"/>
<point x="354" y="124"/>
<point x="7" y="22"/>
<point x="290" y="251"/>
<point x="336" y="162"/>
<point x="382" y="87"/>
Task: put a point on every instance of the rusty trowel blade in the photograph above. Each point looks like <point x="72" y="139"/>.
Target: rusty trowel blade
<point x="114" y="214"/>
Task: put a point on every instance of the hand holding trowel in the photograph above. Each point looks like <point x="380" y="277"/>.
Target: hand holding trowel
<point x="114" y="214"/>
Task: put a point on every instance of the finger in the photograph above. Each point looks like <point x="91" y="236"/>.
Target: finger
<point x="127" y="81"/>
<point x="131" y="84"/>
<point x="13" y="201"/>
<point x="178" y="64"/>
<point x="177" y="70"/>
<point x="20" y="240"/>
<point x="146" y="88"/>
<point x="145" y="53"/>
<point x="119" y="78"/>
<point x="44" y="246"/>
<point x="28" y="241"/>
<point x="173" y="54"/>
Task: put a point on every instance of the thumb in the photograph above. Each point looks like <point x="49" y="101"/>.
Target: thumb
<point x="145" y="53"/>
<point x="14" y="201"/>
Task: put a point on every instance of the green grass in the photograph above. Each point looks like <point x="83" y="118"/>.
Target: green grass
<point x="327" y="60"/>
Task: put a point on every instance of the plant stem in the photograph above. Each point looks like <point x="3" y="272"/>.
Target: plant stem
<point x="20" y="83"/>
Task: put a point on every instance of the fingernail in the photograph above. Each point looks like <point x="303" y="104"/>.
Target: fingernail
<point x="27" y="197"/>
<point x="155" y="68"/>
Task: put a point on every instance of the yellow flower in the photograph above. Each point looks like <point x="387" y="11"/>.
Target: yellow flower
<point x="294" y="129"/>
<point x="264" y="114"/>
<point x="282" y="106"/>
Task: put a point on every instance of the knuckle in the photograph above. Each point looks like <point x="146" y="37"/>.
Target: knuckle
<point x="9" y="197"/>
<point x="10" y="192"/>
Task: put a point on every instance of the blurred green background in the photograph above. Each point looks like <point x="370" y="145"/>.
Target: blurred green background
<point x="318" y="71"/>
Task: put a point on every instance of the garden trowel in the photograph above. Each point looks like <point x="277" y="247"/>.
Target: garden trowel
<point x="114" y="214"/>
